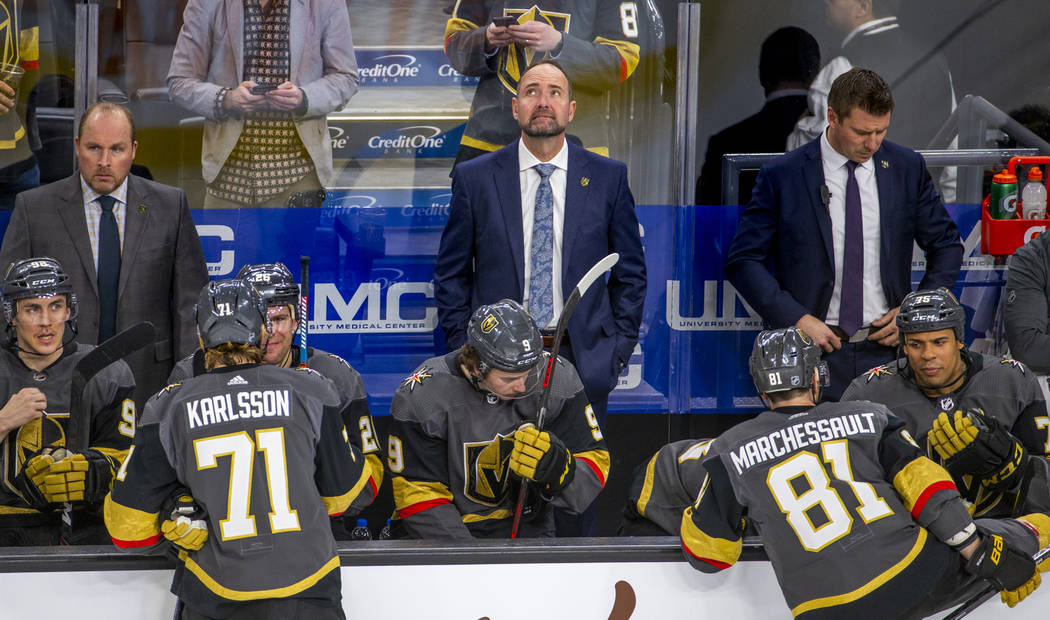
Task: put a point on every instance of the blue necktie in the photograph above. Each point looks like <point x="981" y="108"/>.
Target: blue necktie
<point x="108" y="268"/>
<point x="851" y="310"/>
<point x="541" y="252"/>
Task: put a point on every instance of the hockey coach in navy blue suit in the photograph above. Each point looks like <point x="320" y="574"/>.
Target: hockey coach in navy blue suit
<point x="487" y="250"/>
<point x="795" y="254"/>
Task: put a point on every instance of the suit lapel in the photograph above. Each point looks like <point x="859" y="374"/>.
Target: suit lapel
<point x="577" y="210"/>
<point x="813" y="172"/>
<point x="72" y="213"/>
<point x="884" y="181"/>
<point x="507" y="181"/>
<point x="235" y="34"/>
<point x="136" y="218"/>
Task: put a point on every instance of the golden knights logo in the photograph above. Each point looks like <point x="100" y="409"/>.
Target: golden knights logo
<point x="486" y="467"/>
<point x="1016" y="364"/>
<point x="513" y="60"/>
<point x="878" y="371"/>
<point x="416" y="378"/>
<point x="489" y="324"/>
<point x="30" y="438"/>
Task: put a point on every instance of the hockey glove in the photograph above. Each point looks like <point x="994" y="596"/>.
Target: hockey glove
<point x="971" y="443"/>
<point x="185" y="521"/>
<point x="542" y="458"/>
<point x="1006" y="568"/>
<point x="30" y="481"/>
<point x="1015" y="596"/>
<point x="64" y="476"/>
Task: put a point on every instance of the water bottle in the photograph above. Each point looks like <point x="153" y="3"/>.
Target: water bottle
<point x="1033" y="197"/>
<point x="384" y="534"/>
<point x="361" y="531"/>
<point x="1004" y="196"/>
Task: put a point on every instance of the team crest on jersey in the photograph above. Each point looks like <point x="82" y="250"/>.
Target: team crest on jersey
<point x="516" y="59"/>
<point x="31" y="437"/>
<point x="877" y="372"/>
<point x="486" y="467"/>
<point x="1016" y="364"/>
<point x="345" y="363"/>
<point x="417" y="378"/>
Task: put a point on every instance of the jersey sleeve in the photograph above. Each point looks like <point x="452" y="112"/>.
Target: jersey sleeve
<point x="712" y="528"/>
<point x="144" y="482"/>
<point x="1032" y="427"/>
<point x="577" y="427"/>
<point x="343" y="473"/>
<point x="925" y="487"/>
<point x="611" y="55"/>
<point x="109" y="397"/>
<point x="418" y="464"/>
<point x="360" y="429"/>
<point x="661" y="493"/>
<point x="465" y="38"/>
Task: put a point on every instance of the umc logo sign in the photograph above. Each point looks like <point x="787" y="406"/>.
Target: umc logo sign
<point x="379" y="312"/>
<point x="716" y="316"/>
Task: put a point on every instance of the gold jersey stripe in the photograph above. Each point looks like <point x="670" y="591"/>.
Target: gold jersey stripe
<point x="338" y="505"/>
<point x="129" y="524"/>
<point x="457" y="24"/>
<point x="10" y="144"/>
<point x="408" y="493"/>
<point x="599" y="459"/>
<point x="495" y="514"/>
<point x="705" y="547"/>
<point x="629" y="54"/>
<point x="377" y="468"/>
<point x="864" y="590"/>
<point x="479" y="144"/>
<point x="916" y="477"/>
<point x="252" y="595"/>
<point x="29" y="45"/>
<point x="647" y="485"/>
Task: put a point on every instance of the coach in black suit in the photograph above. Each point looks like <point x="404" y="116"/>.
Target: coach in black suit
<point x="793" y="251"/>
<point x="789" y="59"/>
<point x="486" y="245"/>
<point x="153" y="268"/>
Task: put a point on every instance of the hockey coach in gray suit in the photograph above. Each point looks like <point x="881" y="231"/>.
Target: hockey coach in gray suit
<point x="128" y="244"/>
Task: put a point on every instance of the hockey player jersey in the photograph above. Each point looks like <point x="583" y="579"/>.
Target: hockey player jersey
<point x="449" y="449"/>
<point x="107" y="399"/>
<point x="262" y="451"/>
<point x="662" y="489"/>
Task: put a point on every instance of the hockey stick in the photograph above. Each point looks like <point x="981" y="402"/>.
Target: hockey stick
<point x="304" y="305"/>
<point x="585" y="282"/>
<point x="78" y="435"/>
<point x="978" y="599"/>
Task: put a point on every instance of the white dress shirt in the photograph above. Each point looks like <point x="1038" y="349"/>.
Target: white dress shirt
<point x="835" y="176"/>
<point x="93" y="213"/>
<point x="530" y="181"/>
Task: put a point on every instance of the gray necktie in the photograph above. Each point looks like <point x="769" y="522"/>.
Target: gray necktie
<point x="541" y="253"/>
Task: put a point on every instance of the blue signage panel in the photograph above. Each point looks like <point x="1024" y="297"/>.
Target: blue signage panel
<point x="412" y="67"/>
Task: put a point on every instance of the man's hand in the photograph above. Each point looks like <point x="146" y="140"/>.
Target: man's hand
<point x="819" y="332"/>
<point x="542" y="458"/>
<point x="241" y="100"/>
<point x="7" y="98"/>
<point x="285" y="97"/>
<point x="185" y="522"/>
<point x="884" y="329"/>
<point x="26" y="405"/>
<point x="539" y="36"/>
<point x="497" y="37"/>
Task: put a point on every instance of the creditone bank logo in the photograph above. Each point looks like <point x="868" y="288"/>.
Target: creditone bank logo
<point x="338" y="137"/>
<point x="369" y="310"/>
<point x="437" y="205"/>
<point x="719" y="314"/>
<point x="412" y="138"/>
<point x="391" y="68"/>
<point x="446" y="70"/>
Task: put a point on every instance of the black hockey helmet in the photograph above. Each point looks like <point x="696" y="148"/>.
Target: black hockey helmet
<point x="230" y="311"/>
<point x="505" y="337"/>
<point x="275" y="283"/>
<point x="784" y="359"/>
<point x="929" y="311"/>
<point x="36" y="277"/>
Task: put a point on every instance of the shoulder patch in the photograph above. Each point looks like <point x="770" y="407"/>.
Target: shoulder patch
<point x="879" y="371"/>
<point x="1016" y="364"/>
<point x="417" y="378"/>
<point x="341" y="360"/>
<point x="308" y="370"/>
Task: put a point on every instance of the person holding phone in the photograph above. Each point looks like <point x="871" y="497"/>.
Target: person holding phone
<point x="596" y="41"/>
<point x="267" y="137"/>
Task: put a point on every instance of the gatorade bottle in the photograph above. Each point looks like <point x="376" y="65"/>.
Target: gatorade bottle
<point x="1033" y="197"/>
<point x="361" y="532"/>
<point x="1004" y="196"/>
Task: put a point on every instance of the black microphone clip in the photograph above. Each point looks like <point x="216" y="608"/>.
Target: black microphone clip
<point x="825" y="195"/>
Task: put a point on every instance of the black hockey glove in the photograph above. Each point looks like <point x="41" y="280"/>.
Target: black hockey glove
<point x="971" y="443"/>
<point x="56" y="475"/>
<point x="542" y="458"/>
<point x="1006" y="568"/>
<point x="185" y="522"/>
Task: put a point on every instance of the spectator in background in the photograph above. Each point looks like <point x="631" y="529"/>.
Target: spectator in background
<point x="265" y="97"/>
<point x="1027" y="309"/>
<point x="128" y="244"/>
<point x="789" y="59"/>
<point x="596" y="43"/>
<point x="21" y="52"/>
<point x="920" y="79"/>
<point x="826" y="242"/>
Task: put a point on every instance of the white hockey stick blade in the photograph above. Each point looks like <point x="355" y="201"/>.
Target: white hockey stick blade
<point x="595" y="272"/>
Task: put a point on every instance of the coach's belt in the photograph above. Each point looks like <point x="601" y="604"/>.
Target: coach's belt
<point x="548" y="338"/>
<point x="859" y="336"/>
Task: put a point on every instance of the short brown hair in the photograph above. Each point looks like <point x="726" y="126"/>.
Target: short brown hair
<point x="860" y="88"/>
<point x="106" y="107"/>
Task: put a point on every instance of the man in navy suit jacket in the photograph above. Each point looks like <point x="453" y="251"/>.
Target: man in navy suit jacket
<point x="786" y="258"/>
<point x="483" y="253"/>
